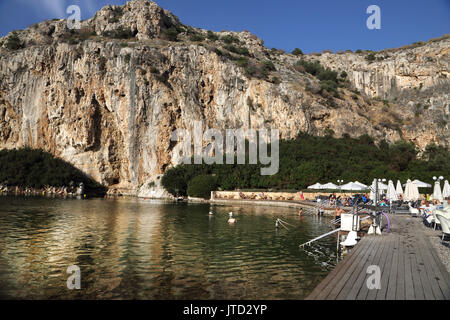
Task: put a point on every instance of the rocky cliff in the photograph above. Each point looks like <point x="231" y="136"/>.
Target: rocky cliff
<point x="108" y="96"/>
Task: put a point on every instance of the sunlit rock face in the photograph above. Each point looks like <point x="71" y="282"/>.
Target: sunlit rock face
<point x="109" y="106"/>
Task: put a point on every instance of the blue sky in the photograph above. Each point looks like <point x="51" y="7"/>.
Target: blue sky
<point x="310" y="25"/>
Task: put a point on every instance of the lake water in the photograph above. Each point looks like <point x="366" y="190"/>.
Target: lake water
<point x="145" y="249"/>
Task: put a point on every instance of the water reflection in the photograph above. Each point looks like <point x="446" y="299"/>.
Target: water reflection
<point x="141" y="249"/>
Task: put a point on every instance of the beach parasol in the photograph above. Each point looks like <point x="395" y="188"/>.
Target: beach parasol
<point x="399" y="189"/>
<point x="437" y="194"/>
<point x="446" y="190"/>
<point x="391" y="193"/>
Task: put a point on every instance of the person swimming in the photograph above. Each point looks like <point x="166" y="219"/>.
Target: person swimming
<point x="231" y="220"/>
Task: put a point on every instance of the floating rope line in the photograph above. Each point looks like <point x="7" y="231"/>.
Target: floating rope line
<point x="280" y="222"/>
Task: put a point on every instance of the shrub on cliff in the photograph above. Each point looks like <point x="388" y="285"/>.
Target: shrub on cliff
<point x="170" y="34"/>
<point x="13" y="42"/>
<point x="119" y="33"/>
<point x="238" y="50"/>
<point x="196" y="37"/>
<point x="229" y="39"/>
<point x="212" y="36"/>
<point x="297" y="52"/>
<point x="201" y="186"/>
<point x="370" y="57"/>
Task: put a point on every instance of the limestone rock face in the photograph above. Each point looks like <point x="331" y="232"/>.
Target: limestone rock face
<point x="109" y="106"/>
<point x="145" y="19"/>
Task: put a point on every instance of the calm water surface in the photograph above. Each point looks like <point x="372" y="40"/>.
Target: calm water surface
<point x="141" y="249"/>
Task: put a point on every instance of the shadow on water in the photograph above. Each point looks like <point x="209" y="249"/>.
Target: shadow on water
<point x="144" y="249"/>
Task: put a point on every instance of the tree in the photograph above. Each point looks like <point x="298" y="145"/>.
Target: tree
<point x="201" y="186"/>
<point x="297" y="52"/>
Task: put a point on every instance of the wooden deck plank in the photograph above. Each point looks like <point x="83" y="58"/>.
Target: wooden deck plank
<point x="323" y="289"/>
<point x="339" y="281"/>
<point x="358" y="280"/>
<point x="431" y="271"/>
<point x="392" y="280"/>
<point x="422" y="266"/>
<point x="444" y="276"/>
<point x="417" y="282"/>
<point x="362" y="294"/>
<point x="409" y="286"/>
<point x="372" y="294"/>
<point x="343" y="264"/>
<point x="360" y="268"/>
<point x="400" y="293"/>
<point x="410" y="267"/>
<point x="381" y="294"/>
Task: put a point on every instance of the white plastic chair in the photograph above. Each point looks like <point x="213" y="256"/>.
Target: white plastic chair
<point x="445" y="224"/>
<point x="434" y="218"/>
<point x="413" y="211"/>
<point x="351" y="239"/>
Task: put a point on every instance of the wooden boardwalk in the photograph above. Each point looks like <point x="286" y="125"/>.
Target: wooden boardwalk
<point x="410" y="268"/>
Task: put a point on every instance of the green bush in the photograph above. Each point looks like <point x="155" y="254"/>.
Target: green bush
<point x="201" y="186"/>
<point x="212" y="36"/>
<point x="297" y="52"/>
<point x="13" y="42"/>
<point x="174" y="181"/>
<point x="269" y="66"/>
<point x="119" y="33"/>
<point x="328" y="78"/>
<point x="329" y="85"/>
<point x="170" y="34"/>
<point x="229" y="39"/>
<point x="276" y="80"/>
<point x="196" y="37"/>
<point x="238" y="50"/>
<point x="370" y="57"/>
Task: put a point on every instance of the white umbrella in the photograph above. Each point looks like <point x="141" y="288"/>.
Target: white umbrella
<point x="382" y="186"/>
<point x="391" y="193"/>
<point x="437" y="194"/>
<point x="329" y="185"/>
<point x="352" y="186"/>
<point x="415" y="191"/>
<point x="399" y="189"/>
<point x="421" y="184"/>
<point x="407" y="196"/>
<point x="362" y="185"/>
<point x="315" y="186"/>
<point x="446" y="190"/>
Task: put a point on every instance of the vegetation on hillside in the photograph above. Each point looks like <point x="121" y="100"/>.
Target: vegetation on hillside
<point x="309" y="159"/>
<point x="329" y="80"/>
<point x="36" y="168"/>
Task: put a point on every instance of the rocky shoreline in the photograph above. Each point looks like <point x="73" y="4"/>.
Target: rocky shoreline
<point x="48" y="190"/>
